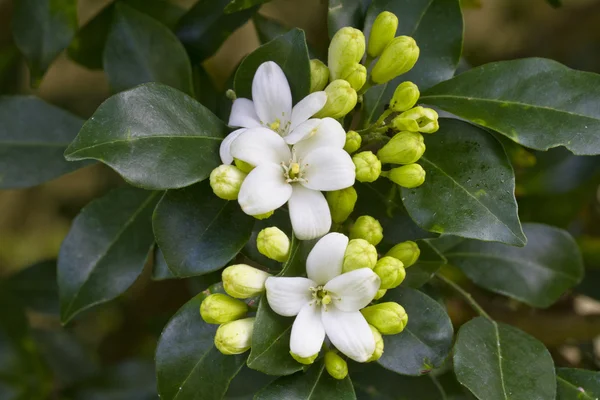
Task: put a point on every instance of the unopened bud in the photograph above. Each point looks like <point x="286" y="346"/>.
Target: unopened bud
<point x="403" y="148"/>
<point x="341" y="99"/>
<point x="353" y="142"/>
<point x="357" y="76"/>
<point x="219" y="308"/>
<point x="382" y="33"/>
<point x="243" y="166"/>
<point x="335" y="365"/>
<point x="408" y="176"/>
<point x="418" y="119"/>
<point x="405" y="97"/>
<point x="347" y="48"/>
<point x="408" y="252"/>
<point x="235" y="337"/>
<point x="378" y="344"/>
<point x="391" y="272"/>
<point x="398" y="57"/>
<point x="273" y="243"/>
<point x="380" y="293"/>
<point x="368" y="228"/>
<point x="319" y="75"/>
<point x="243" y="281"/>
<point x="304" y="360"/>
<point x="368" y="166"/>
<point x="389" y="318"/>
<point x="226" y="180"/>
<point x="341" y="203"/>
<point x="264" y="216"/>
<point x="359" y="254"/>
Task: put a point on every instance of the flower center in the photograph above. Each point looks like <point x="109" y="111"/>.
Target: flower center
<point x="278" y="127"/>
<point x="320" y="295"/>
<point x="293" y="171"/>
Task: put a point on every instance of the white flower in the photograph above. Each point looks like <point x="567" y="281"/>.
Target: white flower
<point x="272" y="108"/>
<point x="327" y="302"/>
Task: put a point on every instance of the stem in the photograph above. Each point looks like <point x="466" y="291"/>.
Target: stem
<point x="383" y="116"/>
<point x="467" y="296"/>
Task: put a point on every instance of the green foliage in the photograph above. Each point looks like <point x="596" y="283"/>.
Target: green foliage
<point x="577" y="384"/>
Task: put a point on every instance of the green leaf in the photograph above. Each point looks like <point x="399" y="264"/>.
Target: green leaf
<point x="33" y="136"/>
<point x="154" y="136"/>
<point x="289" y="51"/>
<point x="343" y="13"/>
<point x="246" y="383"/>
<point x="425" y="342"/>
<point x="535" y="102"/>
<point x="440" y="48"/>
<point x="469" y="188"/>
<point x="428" y="263"/>
<point x="267" y="28"/>
<point x="537" y="274"/>
<point x="240" y="5"/>
<point x="188" y="365"/>
<point x="105" y="250"/>
<point x="35" y="287"/>
<point x="160" y="269"/>
<point x="140" y="49"/>
<point x="577" y="384"/>
<point x="42" y="29"/>
<point x="498" y="362"/>
<point x="280" y="219"/>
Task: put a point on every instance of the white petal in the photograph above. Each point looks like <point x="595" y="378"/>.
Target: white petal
<point x="271" y="94"/>
<point x="303" y="131"/>
<point x="308" y="332"/>
<point x="309" y="213"/>
<point x="264" y="190"/>
<point x="353" y="290"/>
<point x="307" y="107"/>
<point x="225" y="149"/>
<point x="328" y="168"/>
<point x="350" y="333"/>
<point x="243" y="114"/>
<point x="329" y="133"/>
<point x="258" y="146"/>
<point x="287" y="296"/>
<point x="324" y="262"/>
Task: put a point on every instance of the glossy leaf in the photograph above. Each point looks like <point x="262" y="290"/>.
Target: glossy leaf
<point x="469" y="188"/>
<point x="105" y="250"/>
<point x="498" y="362"/>
<point x="154" y="136"/>
<point x="577" y="384"/>
<point x="267" y="28"/>
<point x="160" y="269"/>
<point x="35" y="287"/>
<point x="430" y="260"/>
<point x="240" y="5"/>
<point x="425" y="342"/>
<point x="540" y="103"/>
<point x="140" y="49"/>
<point x="537" y="274"/>
<point x="343" y="13"/>
<point x="246" y="383"/>
<point x="188" y="365"/>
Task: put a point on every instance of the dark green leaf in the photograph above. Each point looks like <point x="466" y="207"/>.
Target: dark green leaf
<point x="140" y="49"/>
<point x="35" y="287"/>
<point x="155" y="136"/>
<point x="577" y="384"/>
<point x="535" y="102"/>
<point x="280" y="219"/>
<point x="160" y="269"/>
<point x="469" y="188"/>
<point x="246" y="383"/>
<point x="290" y="53"/>
<point x="425" y="342"/>
<point x="343" y="13"/>
<point x="267" y="28"/>
<point x="199" y="232"/>
<point x="239" y="5"/>
<point x="428" y="263"/>
<point x="188" y="365"/>
<point x="105" y="250"/>
<point x="33" y="136"/>
<point x="499" y="362"/>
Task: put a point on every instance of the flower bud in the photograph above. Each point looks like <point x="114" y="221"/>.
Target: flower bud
<point x="408" y="252"/>
<point x="219" y="308"/>
<point x="390" y="271"/>
<point x="368" y="166"/>
<point x="273" y="243"/>
<point x="243" y="166"/>
<point x="341" y="99"/>
<point x="368" y="228"/>
<point x="235" y="337"/>
<point x="353" y="142"/>
<point x="243" y="281"/>
<point x="378" y="344"/>
<point x="341" y="203"/>
<point x="304" y="360"/>
<point x="357" y="76"/>
<point x="226" y="180"/>
<point x="382" y="33"/>
<point x="319" y="75"/>
<point x="359" y="254"/>
<point x="408" y="176"/>
<point x="264" y="216"/>
<point x="380" y="293"/>
<point x="403" y="148"/>
<point x="389" y="318"/>
<point x="405" y="97"/>
<point x="418" y="119"/>
<point x="398" y="57"/>
<point x="335" y="365"/>
<point x="346" y="49"/>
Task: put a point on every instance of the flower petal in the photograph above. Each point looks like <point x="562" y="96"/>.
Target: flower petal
<point x="325" y="260"/>
<point x="308" y="332"/>
<point x="258" y="146"/>
<point x="328" y="168"/>
<point x="307" y="107"/>
<point x="303" y="131"/>
<point x="309" y="213"/>
<point x="225" y="149"/>
<point x="243" y="114"/>
<point x="287" y="296"/>
<point x="350" y="333"/>
<point x="329" y="133"/>
<point x="264" y="190"/>
<point x="271" y="94"/>
<point x="353" y="290"/>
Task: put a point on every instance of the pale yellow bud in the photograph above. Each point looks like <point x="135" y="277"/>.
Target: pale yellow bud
<point x="243" y="281"/>
<point x="219" y="308"/>
<point x="226" y="180"/>
<point x="273" y="243"/>
<point x="403" y="148"/>
<point x="353" y="142"/>
<point x="405" y="97"/>
<point x="418" y="119"/>
<point x="319" y="75"/>
<point x="398" y="57"/>
<point x="359" y="254"/>
<point x="235" y="337"/>
<point x="408" y="252"/>
<point x="341" y="203"/>
<point x="380" y="293"/>
<point x="368" y="166"/>
<point x="264" y="216"/>
<point x="389" y="318"/>
<point x="378" y="344"/>
<point x="357" y="76"/>
<point x="408" y="176"/>
<point x="391" y="272"/>
<point x="341" y="99"/>
<point x="335" y="365"/>
<point x="368" y="228"/>
<point x="382" y="33"/>
<point x="347" y="48"/>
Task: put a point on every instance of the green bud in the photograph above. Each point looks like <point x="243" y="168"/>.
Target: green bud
<point x="347" y="48"/>
<point x="243" y="166"/>
<point x="235" y="337"/>
<point x="359" y="254"/>
<point x="398" y="57"/>
<point x="391" y="271"/>
<point x="264" y="216"/>
<point x="382" y="33"/>
<point x="418" y="119"/>
<point x="219" y="308"/>
<point x="389" y="318"/>
<point x="273" y="243"/>
<point x="403" y="148"/>
<point x="380" y="293"/>
<point x="341" y="99"/>
<point x="368" y="166"/>
<point x="405" y="97"/>
<point x="341" y="203"/>
<point x="408" y="252"/>
<point x="378" y="344"/>
<point x="367" y="228"/>
<point x="335" y="365"/>
<point x="304" y="360"/>
<point x="226" y="180"/>
<point x="408" y="176"/>
<point x="319" y="75"/>
<point x="357" y="76"/>
<point x="243" y="281"/>
<point x="353" y="141"/>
